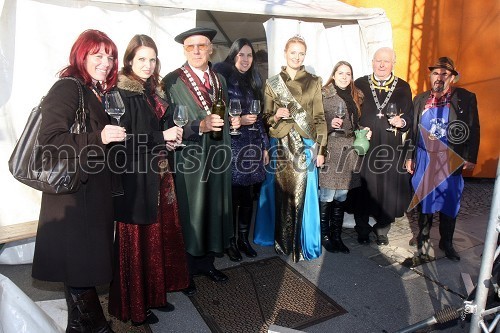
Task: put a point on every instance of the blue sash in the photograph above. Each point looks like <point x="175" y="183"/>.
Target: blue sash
<point x="311" y="235"/>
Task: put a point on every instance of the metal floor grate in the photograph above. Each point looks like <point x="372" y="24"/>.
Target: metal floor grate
<point x="260" y="294"/>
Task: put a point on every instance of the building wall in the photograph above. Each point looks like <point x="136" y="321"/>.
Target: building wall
<point x="466" y="31"/>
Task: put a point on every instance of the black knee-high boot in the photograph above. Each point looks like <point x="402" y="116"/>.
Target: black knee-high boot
<point x="232" y="251"/>
<point x="85" y="313"/>
<point x="336" y="221"/>
<point x="446" y="230"/>
<point x="324" y="218"/>
<point x="244" y="221"/>
<point x="424" y="229"/>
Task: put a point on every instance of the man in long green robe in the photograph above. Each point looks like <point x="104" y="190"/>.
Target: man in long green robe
<point x="203" y="167"/>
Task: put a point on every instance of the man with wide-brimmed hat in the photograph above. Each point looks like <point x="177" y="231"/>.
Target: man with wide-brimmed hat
<point x="446" y="139"/>
<point x="203" y="167"/>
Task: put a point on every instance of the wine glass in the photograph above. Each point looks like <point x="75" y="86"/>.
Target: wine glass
<point x="113" y="105"/>
<point x="234" y="111"/>
<point x="180" y="118"/>
<point x="254" y="109"/>
<point x="340" y="113"/>
<point x="283" y="102"/>
<point x="390" y="112"/>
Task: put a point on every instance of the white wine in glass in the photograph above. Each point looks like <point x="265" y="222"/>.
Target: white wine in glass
<point x="181" y="118"/>
<point x="340" y="113"/>
<point x="390" y="112"/>
<point x="113" y="105"/>
<point x="234" y="111"/>
<point x="254" y="109"/>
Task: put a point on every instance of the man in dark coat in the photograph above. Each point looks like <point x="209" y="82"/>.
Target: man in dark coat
<point x="446" y="137"/>
<point x="203" y="167"/>
<point x="385" y="190"/>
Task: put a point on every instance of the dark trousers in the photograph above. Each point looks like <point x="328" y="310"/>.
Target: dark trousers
<point x="243" y="196"/>
<point x="199" y="264"/>
<point x="361" y="205"/>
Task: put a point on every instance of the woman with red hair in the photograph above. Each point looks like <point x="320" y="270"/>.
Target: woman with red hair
<point x="74" y="242"/>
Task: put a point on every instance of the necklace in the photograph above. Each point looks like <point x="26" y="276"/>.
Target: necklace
<point x="385" y="85"/>
<point x="390" y="91"/>
<point x="198" y="92"/>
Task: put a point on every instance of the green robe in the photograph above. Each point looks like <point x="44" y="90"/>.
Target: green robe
<point x="202" y="175"/>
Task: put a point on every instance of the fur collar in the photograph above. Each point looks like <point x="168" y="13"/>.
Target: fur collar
<point x="329" y="91"/>
<point x="126" y="83"/>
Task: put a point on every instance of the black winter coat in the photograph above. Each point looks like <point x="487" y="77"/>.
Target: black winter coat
<point x="74" y="242"/>
<point x="145" y="152"/>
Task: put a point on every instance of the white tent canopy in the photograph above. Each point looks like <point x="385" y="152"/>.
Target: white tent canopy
<point x="36" y="37"/>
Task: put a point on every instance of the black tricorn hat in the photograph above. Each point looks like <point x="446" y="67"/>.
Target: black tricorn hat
<point x="445" y="63"/>
<point x="207" y="32"/>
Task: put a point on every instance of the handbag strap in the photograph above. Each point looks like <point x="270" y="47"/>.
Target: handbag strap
<point x="80" y="124"/>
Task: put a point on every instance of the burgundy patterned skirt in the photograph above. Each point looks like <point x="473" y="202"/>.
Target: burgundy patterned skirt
<point x="151" y="260"/>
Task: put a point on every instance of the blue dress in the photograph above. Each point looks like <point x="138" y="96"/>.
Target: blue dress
<point x="433" y="181"/>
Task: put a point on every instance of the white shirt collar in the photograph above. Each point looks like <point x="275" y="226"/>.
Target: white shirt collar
<point x="382" y="80"/>
<point x="199" y="73"/>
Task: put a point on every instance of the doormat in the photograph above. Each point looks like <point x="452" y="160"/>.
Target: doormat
<point x="119" y="326"/>
<point x="260" y="294"/>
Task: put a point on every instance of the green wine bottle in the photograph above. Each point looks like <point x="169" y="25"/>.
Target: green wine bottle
<point x="218" y="108"/>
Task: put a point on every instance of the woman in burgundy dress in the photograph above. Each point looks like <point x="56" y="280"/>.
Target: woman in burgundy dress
<point x="150" y="257"/>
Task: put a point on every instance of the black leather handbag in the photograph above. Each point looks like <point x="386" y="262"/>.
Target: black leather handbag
<point x="38" y="168"/>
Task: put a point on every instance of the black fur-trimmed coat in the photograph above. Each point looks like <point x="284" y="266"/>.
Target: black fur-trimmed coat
<point x="145" y="151"/>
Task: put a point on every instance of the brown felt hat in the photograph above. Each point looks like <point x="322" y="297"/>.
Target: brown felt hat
<point x="207" y="32"/>
<point x="445" y="63"/>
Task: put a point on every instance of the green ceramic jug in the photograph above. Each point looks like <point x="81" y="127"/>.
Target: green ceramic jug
<point x="361" y="143"/>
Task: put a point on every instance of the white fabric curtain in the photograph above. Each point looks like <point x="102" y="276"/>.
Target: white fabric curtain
<point x="35" y="41"/>
<point x="325" y="47"/>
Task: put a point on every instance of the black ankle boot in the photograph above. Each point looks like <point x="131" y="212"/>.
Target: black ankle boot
<point x="232" y="251"/>
<point x="324" y="218"/>
<point x="244" y="221"/>
<point x="446" y="230"/>
<point x="85" y="313"/>
<point x="245" y="246"/>
<point x="336" y="221"/>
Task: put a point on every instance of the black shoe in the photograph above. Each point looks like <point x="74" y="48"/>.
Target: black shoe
<point x="449" y="251"/>
<point x="216" y="275"/>
<point x="245" y="247"/>
<point x="363" y="240"/>
<point x="191" y="289"/>
<point x="151" y="318"/>
<point x="233" y="253"/>
<point x="167" y="308"/>
<point x="382" y="240"/>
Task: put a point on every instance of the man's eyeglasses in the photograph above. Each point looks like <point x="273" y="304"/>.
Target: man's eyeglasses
<point x="201" y="47"/>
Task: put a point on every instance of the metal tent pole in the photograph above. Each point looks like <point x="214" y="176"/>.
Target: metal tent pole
<point x="477" y="307"/>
